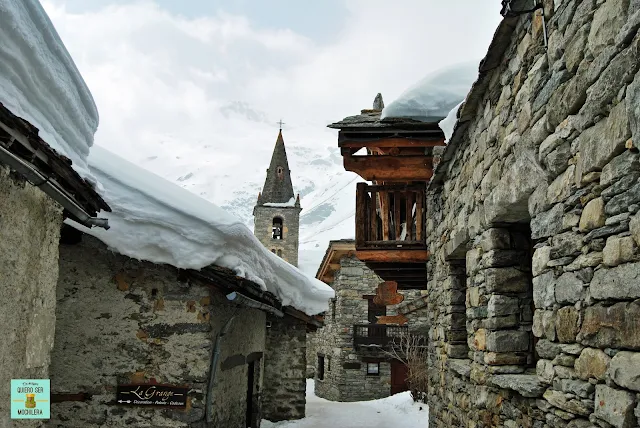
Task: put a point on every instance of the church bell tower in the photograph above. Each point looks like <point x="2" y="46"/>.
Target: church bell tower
<point x="277" y="212"/>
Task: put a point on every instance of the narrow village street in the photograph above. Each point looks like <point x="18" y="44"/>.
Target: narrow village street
<point x="397" y="411"/>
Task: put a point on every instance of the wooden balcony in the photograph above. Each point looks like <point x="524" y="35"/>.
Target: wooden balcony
<point x="390" y="232"/>
<point x="377" y="334"/>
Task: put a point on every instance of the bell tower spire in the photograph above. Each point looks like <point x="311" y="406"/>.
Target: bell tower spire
<point x="277" y="211"/>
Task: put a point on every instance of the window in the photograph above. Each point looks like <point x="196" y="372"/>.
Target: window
<point x="320" y="367"/>
<point x="328" y="364"/>
<point x="277" y="228"/>
<point x="273" y="250"/>
<point x="279" y="253"/>
<point x="373" y="369"/>
<point x="333" y="309"/>
<point x="280" y="172"/>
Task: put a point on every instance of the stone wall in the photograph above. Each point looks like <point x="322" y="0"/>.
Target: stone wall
<point x="285" y="369"/>
<point x="122" y="321"/>
<point x="29" y="230"/>
<point x="535" y="223"/>
<point x="262" y="229"/>
<point x="346" y="379"/>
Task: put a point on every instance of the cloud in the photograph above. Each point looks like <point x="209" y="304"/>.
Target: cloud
<point x="198" y="98"/>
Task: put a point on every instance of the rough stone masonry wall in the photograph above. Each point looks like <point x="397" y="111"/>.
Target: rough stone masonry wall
<point x="262" y="229"/>
<point x="29" y="232"/>
<point x="285" y="369"/>
<point x="347" y="379"/>
<point x="552" y="146"/>
<point x="123" y="321"/>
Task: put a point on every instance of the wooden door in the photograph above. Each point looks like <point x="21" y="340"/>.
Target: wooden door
<point x="398" y="377"/>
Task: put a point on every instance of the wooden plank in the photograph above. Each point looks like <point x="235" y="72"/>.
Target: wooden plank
<point x="409" y="211"/>
<point x="427" y="141"/>
<point x="396" y="215"/>
<point x="362" y="206"/>
<point x="398" y="187"/>
<point x="384" y="212"/>
<point x="373" y="219"/>
<point x="390" y="168"/>
<point x="392" y="243"/>
<point x="420" y="235"/>
<point x="393" y="256"/>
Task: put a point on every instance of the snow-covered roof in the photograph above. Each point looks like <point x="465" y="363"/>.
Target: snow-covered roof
<point x="290" y="203"/>
<point x="40" y="83"/>
<point x="448" y="123"/>
<point x="158" y="221"/>
<point x="435" y="95"/>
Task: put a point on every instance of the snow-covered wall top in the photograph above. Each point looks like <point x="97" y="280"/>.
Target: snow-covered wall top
<point x="158" y="221"/>
<point x="435" y="95"/>
<point x="448" y="123"/>
<point x="40" y="83"/>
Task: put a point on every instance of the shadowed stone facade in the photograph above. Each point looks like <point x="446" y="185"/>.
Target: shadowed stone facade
<point x="29" y="230"/>
<point x="533" y="217"/>
<point x="345" y="366"/>
<point x="122" y="321"/>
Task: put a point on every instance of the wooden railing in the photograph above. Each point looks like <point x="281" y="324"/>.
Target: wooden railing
<point x="390" y="216"/>
<point x="377" y="334"/>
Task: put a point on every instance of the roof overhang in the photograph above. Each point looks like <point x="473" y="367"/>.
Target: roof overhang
<point x="331" y="261"/>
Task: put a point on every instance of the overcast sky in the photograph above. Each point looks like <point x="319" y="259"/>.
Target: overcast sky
<point x="185" y="85"/>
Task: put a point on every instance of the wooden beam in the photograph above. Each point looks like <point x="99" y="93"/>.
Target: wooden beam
<point x="396" y="214"/>
<point x="391" y="168"/>
<point x="373" y="217"/>
<point x="409" y="218"/>
<point x="384" y="212"/>
<point x="393" y="256"/>
<point x="419" y="216"/>
<point x="393" y="142"/>
<point x="362" y="207"/>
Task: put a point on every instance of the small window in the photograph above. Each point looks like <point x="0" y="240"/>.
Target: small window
<point x="280" y="253"/>
<point x="333" y="309"/>
<point x="320" y="367"/>
<point x="328" y="364"/>
<point x="273" y="250"/>
<point x="277" y="228"/>
<point x="373" y="369"/>
<point x="280" y="172"/>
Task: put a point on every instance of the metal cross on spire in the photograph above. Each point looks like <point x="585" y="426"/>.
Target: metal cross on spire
<point x="280" y="122"/>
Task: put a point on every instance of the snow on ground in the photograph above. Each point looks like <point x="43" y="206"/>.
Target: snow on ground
<point x="434" y="96"/>
<point x="158" y="221"/>
<point x="40" y="82"/>
<point x="397" y="411"/>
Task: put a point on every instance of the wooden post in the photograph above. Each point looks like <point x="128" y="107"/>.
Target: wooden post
<point x="409" y="219"/>
<point x="384" y="213"/>
<point x="362" y="208"/>
<point x="396" y="215"/>
<point x="420" y="235"/>
<point x="373" y="234"/>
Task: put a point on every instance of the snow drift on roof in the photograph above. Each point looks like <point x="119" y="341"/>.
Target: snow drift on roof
<point x="436" y="94"/>
<point x="158" y="221"/>
<point x="448" y="123"/>
<point x="40" y="83"/>
<point x="290" y="203"/>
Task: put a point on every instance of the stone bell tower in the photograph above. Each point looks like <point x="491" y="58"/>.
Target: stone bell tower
<point x="277" y="213"/>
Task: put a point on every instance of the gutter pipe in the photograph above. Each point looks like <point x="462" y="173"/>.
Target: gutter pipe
<point x="52" y="189"/>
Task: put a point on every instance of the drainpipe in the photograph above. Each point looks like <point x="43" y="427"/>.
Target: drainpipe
<point x="214" y="366"/>
<point x="51" y="188"/>
<point x="241" y="300"/>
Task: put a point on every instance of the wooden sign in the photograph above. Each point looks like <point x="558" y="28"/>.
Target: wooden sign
<point x="393" y="319"/>
<point x="387" y="294"/>
<point x="152" y="395"/>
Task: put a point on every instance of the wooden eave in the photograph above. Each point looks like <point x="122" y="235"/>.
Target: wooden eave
<point x="331" y="262"/>
<point x="21" y="138"/>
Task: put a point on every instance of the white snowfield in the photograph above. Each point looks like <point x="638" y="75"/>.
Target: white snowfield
<point x="397" y="411"/>
<point x="40" y="82"/>
<point x="158" y="221"/>
<point x="434" y="96"/>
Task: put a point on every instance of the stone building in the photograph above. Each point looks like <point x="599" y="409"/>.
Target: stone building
<point x="532" y="226"/>
<point x="350" y="353"/>
<point x="277" y="211"/>
<point x="276" y="225"/>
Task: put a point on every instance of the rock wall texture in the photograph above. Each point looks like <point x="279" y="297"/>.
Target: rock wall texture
<point x="534" y="229"/>
<point x="262" y="228"/>
<point x="345" y="366"/>
<point x="285" y="382"/>
<point x="123" y="321"/>
<point x="29" y="233"/>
